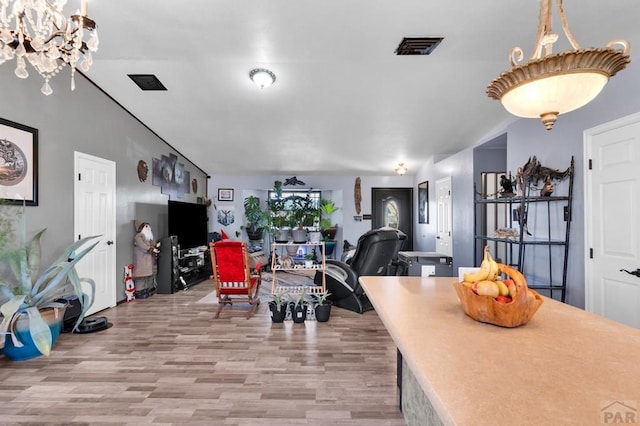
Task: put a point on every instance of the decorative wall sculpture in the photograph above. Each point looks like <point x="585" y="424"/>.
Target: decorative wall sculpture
<point x="171" y="176"/>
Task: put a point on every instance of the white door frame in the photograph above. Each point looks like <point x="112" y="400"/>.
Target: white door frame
<point x="588" y="226"/>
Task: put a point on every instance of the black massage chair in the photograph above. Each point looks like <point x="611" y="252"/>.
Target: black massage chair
<point x="374" y="254"/>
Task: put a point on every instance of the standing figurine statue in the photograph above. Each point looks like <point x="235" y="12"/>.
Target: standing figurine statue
<point x="145" y="252"/>
<point x="506" y="185"/>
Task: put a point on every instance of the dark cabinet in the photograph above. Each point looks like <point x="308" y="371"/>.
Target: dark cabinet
<point x="168" y="271"/>
<point x="177" y="270"/>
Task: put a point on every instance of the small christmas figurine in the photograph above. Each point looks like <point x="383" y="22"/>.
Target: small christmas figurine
<point x="130" y="287"/>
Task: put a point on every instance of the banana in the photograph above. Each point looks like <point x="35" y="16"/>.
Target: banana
<point x="485" y="269"/>
<point x="504" y="290"/>
<point x="494" y="270"/>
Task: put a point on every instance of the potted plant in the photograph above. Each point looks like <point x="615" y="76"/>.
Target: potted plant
<point x="278" y="306"/>
<point x="322" y="306"/>
<point x="257" y="219"/>
<point x="327" y="208"/>
<point x="304" y="213"/>
<point x="308" y="260"/>
<point x="298" y="307"/>
<point x="279" y="216"/>
<point x="32" y="304"/>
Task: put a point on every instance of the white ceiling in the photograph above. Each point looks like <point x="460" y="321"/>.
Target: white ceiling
<point x="343" y="102"/>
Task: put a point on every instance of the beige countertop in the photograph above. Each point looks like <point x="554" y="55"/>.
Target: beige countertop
<point x="566" y="366"/>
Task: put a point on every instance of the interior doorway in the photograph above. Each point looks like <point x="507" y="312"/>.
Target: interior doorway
<point x="444" y="236"/>
<point x="95" y="214"/>
<point x="393" y="207"/>
<point x="611" y="220"/>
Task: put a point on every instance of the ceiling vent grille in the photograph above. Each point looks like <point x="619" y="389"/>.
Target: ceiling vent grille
<point x="147" y="81"/>
<point x="418" y="45"/>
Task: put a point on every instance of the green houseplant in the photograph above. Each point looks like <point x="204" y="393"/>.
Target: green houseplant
<point x="31" y="302"/>
<point x="278" y="306"/>
<point x="298" y="306"/>
<point x="257" y="219"/>
<point x="328" y="208"/>
<point x="280" y="217"/>
<point x="308" y="260"/>
<point x="322" y="306"/>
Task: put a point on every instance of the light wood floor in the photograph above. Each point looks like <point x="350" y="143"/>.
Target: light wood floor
<point x="165" y="360"/>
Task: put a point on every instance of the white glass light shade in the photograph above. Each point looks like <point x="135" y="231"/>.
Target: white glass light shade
<point x="556" y="94"/>
<point x="262" y="77"/>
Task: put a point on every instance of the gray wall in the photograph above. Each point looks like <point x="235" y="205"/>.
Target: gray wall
<point x="86" y="120"/>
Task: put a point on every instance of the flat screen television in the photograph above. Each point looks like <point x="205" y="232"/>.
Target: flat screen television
<point x="188" y="221"/>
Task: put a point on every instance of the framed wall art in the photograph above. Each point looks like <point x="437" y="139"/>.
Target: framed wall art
<point x="225" y="194"/>
<point x="423" y="202"/>
<point x="18" y="163"/>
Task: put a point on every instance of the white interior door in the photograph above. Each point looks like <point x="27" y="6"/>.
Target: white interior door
<point x="94" y="214"/>
<point x="613" y="220"/>
<point x="443" y="237"/>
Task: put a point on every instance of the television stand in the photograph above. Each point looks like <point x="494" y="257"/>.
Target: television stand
<point x="179" y="269"/>
<point x="194" y="268"/>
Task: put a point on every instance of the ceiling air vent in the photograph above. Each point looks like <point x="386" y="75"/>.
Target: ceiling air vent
<point x="418" y="45"/>
<point x="147" y="81"/>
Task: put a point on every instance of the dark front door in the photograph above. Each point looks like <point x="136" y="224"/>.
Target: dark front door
<point x="394" y="207"/>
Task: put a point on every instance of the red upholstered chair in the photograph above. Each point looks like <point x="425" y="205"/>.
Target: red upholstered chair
<point x="232" y="276"/>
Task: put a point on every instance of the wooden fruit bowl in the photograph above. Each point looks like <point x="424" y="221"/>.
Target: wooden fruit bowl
<point x="486" y="309"/>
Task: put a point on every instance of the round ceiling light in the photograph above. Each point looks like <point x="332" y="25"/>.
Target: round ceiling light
<point x="262" y="77"/>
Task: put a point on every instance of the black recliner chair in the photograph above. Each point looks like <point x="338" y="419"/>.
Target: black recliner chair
<point x="374" y="252"/>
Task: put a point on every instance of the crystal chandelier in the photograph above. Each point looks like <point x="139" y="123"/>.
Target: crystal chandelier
<point x="552" y="84"/>
<point x="401" y="169"/>
<point x="38" y="32"/>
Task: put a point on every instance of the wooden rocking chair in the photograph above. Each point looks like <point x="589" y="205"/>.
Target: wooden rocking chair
<point x="232" y="275"/>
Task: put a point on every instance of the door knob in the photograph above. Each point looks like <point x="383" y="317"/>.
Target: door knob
<point x="109" y="242"/>
<point x="636" y="272"/>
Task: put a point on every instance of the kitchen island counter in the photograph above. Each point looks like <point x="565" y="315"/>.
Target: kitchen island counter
<point x="566" y="366"/>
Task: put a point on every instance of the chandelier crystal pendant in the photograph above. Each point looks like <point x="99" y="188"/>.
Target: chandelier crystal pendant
<point x="552" y="84"/>
<point x="36" y="31"/>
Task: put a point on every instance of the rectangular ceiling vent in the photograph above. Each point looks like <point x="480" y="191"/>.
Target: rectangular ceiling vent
<point x="418" y="45"/>
<point x="147" y="81"/>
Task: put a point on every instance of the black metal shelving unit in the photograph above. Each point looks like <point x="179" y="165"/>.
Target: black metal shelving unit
<point x="549" y="279"/>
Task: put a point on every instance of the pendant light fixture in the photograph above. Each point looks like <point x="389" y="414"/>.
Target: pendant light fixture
<point x="552" y="84"/>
